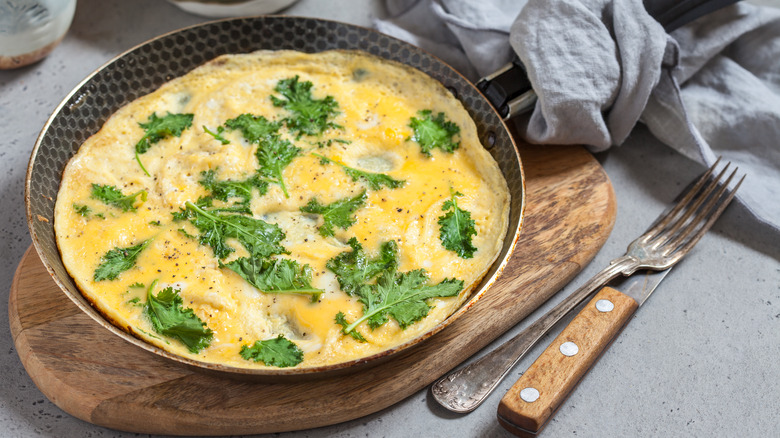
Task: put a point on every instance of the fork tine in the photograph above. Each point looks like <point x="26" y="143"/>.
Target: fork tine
<point x="662" y="221"/>
<point x="689" y="208"/>
<point x="712" y="215"/>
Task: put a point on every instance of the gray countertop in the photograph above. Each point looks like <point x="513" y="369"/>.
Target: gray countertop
<point x="701" y="358"/>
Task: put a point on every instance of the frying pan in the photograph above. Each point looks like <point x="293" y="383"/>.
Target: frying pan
<point x="146" y="67"/>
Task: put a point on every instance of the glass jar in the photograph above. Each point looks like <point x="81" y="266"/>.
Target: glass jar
<point x="31" y="29"/>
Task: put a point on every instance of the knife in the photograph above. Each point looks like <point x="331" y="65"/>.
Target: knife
<point x="531" y="402"/>
<point x="511" y="92"/>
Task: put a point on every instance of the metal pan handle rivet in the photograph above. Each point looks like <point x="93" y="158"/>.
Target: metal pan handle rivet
<point x="529" y="395"/>
<point x="569" y="349"/>
<point x="491" y="140"/>
<point x="604" y="306"/>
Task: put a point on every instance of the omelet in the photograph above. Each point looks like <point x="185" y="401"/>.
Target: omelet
<point x="283" y="209"/>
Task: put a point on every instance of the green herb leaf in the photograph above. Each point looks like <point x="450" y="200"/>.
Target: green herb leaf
<point x="279" y="276"/>
<point x="217" y="135"/>
<point x="158" y="128"/>
<point x="170" y="319"/>
<point x="325" y="143"/>
<point x="118" y="260"/>
<point x="135" y="302"/>
<point x="354" y="269"/>
<point x="273" y="155"/>
<point x="456" y="228"/>
<point x="186" y="234"/>
<point x="401" y="296"/>
<point x="82" y="210"/>
<point x="111" y="195"/>
<point x="434" y="132"/>
<point x="260" y="238"/>
<point x="338" y="213"/>
<point x="341" y="319"/>
<point x="374" y="181"/>
<point x="254" y="128"/>
<point x="405" y="296"/>
<point x="278" y="352"/>
<point x="309" y="115"/>
<point x="226" y="190"/>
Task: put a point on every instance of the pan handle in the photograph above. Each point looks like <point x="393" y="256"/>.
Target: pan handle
<point x="510" y="91"/>
<point x="675" y="13"/>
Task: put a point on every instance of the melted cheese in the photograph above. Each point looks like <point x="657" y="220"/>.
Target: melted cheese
<point x="376" y="101"/>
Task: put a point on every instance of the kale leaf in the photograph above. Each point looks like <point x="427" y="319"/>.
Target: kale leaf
<point x="118" y="260"/>
<point x="326" y="143"/>
<point x="170" y="319"/>
<point x="226" y="189"/>
<point x="217" y="135"/>
<point x="355" y="270"/>
<point x="401" y="296"/>
<point x="158" y="128"/>
<point x="279" y="276"/>
<point x="309" y="115"/>
<point x="260" y="238"/>
<point x="82" y="210"/>
<point x="254" y="128"/>
<point x="456" y="228"/>
<point x="374" y="181"/>
<point x="273" y="153"/>
<point x="434" y="132"/>
<point x="338" y="213"/>
<point x="278" y="352"/>
<point x="111" y="195"/>
<point x="341" y="319"/>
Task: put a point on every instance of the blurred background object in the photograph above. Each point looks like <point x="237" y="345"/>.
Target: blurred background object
<point x="31" y="29"/>
<point x="231" y="8"/>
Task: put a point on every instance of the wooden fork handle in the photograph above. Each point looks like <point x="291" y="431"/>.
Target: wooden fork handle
<point x="531" y="402"/>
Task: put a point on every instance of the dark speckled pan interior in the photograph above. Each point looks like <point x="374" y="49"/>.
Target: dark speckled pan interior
<point x="149" y="65"/>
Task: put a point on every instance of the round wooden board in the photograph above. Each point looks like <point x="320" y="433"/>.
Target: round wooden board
<point x="100" y="378"/>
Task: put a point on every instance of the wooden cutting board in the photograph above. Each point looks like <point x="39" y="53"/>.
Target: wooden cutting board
<point x="98" y="377"/>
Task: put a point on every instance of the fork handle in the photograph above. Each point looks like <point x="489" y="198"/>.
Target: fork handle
<point x="531" y="402"/>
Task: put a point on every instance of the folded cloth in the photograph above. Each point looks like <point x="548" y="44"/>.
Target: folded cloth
<point x="708" y="89"/>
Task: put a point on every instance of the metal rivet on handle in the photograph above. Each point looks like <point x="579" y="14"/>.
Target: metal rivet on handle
<point x="569" y="349"/>
<point x="529" y="395"/>
<point x="491" y="140"/>
<point x="604" y="305"/>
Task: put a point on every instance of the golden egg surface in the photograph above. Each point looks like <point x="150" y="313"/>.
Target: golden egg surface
<point x="324" y="207"/>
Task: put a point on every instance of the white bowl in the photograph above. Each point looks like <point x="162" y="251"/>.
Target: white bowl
<point x="231" y="8"/>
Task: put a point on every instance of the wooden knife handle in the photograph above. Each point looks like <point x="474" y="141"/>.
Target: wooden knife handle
<point x="530" y="403"/>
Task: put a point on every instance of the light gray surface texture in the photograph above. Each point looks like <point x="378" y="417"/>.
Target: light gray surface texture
<point x="701" y="358"/>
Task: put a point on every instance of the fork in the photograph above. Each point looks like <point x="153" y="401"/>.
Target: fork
<point x="664" y="243"/>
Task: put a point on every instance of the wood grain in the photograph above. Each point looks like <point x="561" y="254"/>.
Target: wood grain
<point x="100" y="378"/>
<point x="555" y="375"/>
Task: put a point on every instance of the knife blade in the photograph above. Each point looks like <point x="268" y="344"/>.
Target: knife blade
<point x="531" y="402"/>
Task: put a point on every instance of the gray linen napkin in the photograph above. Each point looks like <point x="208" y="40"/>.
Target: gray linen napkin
<point x="708" y="89"/>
